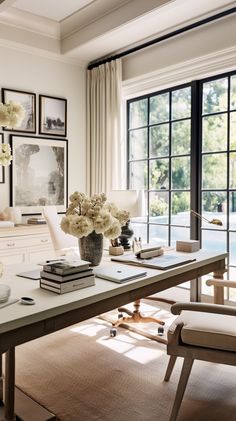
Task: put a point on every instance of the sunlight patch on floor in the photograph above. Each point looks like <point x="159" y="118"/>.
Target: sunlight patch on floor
<point x="116" y="344"/>
<point x="91" y="329"/>
<point x="144" y="355"/>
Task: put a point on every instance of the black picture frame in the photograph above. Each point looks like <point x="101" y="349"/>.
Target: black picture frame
<point x="39" y="173"/>
<point x="52" y="116"/>
<point x="2" y="168"/>
<point x="28" y="101"/>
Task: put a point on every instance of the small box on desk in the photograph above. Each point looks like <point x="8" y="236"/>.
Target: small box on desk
<point x="188" y="246"/>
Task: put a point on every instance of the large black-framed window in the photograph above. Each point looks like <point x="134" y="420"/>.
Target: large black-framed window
<point x="181" y="149"/>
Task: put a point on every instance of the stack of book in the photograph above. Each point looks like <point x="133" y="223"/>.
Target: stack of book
<point x="62" y="277"/>
<point x="36" y="220"/>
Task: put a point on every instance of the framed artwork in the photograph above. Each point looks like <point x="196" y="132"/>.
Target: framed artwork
<point x="28" y="102"/>
<point x="2" y="169"/>
<point x="39" y="173"/>
<point x="52" y="116"/>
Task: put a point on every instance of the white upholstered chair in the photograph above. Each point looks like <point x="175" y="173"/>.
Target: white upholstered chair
<point x="63" y="243"/>
<point x="204" y="332"/>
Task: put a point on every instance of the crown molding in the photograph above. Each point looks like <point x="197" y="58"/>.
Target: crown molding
<point x="29" y="22"/>
<point x="43" y="53"/>
<point x="208" y="65"/>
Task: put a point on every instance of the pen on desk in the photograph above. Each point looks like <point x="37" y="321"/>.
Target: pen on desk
<point x="54" y="260"/>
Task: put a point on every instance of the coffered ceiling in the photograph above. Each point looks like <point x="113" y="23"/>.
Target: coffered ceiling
<point x="85" y="30"/>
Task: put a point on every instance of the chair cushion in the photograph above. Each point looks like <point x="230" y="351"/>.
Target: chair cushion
<point x="208" y="330"/>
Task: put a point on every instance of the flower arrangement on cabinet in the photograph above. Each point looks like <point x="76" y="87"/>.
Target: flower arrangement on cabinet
<point x="11" y="116"/>
<point x="85" y="215"/>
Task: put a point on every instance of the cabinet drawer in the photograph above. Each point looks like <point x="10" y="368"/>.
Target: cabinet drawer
<point x="24" y="242"/>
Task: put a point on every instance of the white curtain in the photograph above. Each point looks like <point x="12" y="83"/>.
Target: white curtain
<point x="103" y="127"/>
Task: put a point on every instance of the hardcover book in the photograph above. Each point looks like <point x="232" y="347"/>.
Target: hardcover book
<point x="66" y="268"/>
<point x="63" y="287"/>
<point x="65" y="278"/>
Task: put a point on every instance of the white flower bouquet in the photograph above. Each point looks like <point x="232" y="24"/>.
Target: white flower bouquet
<point x="85" y="215"/>
<point x="11" y="114"/>
<point x="5" y="154"/>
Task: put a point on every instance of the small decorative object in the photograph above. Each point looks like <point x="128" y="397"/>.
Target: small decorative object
<point x="48" y="185"/>
<point x="89" y="219"/>
<point x="188" y="246"/>
<point x="52" y="115"/>
<point x="115" y="249"/>
<point x="19" y="110"/>
<point x="13" y="214"/>
<point x="5" y="290"/>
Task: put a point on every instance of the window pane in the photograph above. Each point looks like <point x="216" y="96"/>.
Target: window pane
<point x="214" y="206"/>
<point x="214" y="171"/>
<point x="180" y="173"/>
<point x="233" y="93"/>
<point x="181" y="135"/>
<point x="159" y="207"/>
<point x="140" y="230"/>
<point x="159" y="108"/>
<point x="214" y="240"/>
<point x="232" y="164"/>
<point x="138" y="144"/>
<point x="180" y="208"/>
<point x="232" y="248"/>
<point x="138" y="113"/>
<point x="181" y="103"/>
<point x="159" y="174"/>
<point x="232" y="210"/>
<point x="159" y="140"/>
<point x="233" y="130"/>
<point x="214" y="133"/>
<point x="179" y="234"/>
<point x="215" y="96"/>
<point x="138" y="175"/>
<point x="158" y="234"/>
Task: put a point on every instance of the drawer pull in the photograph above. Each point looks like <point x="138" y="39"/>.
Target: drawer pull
<point x="10" y="244"/>
<point x="44" y="241"/>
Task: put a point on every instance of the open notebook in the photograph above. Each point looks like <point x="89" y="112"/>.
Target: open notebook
<point x="166" y="261"/>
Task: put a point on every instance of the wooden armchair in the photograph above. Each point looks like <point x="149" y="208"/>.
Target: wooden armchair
<point x="194" y="335"/>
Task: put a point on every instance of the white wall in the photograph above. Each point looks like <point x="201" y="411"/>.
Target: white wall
<point x="41" y="75"/>
<point x="209" y="49"/>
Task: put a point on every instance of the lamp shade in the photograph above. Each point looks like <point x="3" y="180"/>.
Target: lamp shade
<point x="130" y="200"/>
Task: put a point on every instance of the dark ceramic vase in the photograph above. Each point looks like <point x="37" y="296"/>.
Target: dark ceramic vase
<point x="91" y="248"/>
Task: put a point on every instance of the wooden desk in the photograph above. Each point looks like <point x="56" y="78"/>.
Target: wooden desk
<point x="20" y="324"/>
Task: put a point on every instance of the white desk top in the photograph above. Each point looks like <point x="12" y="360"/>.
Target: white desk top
<point x="50" y="304"/>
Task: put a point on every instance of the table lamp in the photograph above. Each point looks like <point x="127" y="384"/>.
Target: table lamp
<point x="214" y="221"/>
<point x="133" y="202"/>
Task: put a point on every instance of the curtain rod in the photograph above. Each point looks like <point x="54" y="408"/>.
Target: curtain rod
<point x="194" y="25"/>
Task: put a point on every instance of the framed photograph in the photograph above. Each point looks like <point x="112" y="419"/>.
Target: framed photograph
<point x="52" y="116"/>
<point x="2" y="169"/>
<point x="28" y="102"/>
<point x="39" y="173"/>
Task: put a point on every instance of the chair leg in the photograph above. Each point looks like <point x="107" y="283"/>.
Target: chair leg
<point x="186" y="369"/>
<point x="170" y="367"/>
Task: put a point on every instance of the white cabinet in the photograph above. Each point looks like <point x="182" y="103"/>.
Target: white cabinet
<point x="25" y="243"/>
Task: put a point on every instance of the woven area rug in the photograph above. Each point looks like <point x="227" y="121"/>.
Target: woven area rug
<point x="82" y="374"/>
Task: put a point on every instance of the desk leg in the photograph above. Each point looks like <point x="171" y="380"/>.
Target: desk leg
<point x="195" y="289"/>
<point x="1" y="381"/>
<point x="9" y="384"/>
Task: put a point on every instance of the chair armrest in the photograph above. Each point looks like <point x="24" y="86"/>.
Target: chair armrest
<point x="221" y="283"/>
<point x="203" y="307"/>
